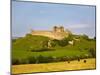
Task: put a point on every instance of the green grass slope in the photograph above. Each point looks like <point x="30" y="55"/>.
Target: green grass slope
<point x="21" y="47"/>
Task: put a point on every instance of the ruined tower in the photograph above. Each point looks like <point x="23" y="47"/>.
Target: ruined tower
<point x="58" y="29"/>
<point x="58" y="33"/>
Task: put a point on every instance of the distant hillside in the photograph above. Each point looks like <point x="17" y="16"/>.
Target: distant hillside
<point x="15" y="37"/>
<point x="32" y="45"/>
<point x="29" y="42"/>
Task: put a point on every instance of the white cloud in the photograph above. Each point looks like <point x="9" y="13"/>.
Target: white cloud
<point x="78" y="26"/>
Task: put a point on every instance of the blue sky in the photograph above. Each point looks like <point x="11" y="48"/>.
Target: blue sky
<point x="43" y="16"/>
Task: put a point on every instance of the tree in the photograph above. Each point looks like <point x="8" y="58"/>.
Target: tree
<point x="28" y="35"/>
<point x="32" y="60"/>
<point x="45" y="44"/>
<point x="53" y="43"/>
<point x="92" y="52"/>
<point x="70" y="37"/>
<point x="63" y="42"/>
<point x="14" y="40"/>
<point x="95" y="38"/>
<point x="40" y="59"/>
<point x="85" y="37"/>
<point x="15" y="61"/>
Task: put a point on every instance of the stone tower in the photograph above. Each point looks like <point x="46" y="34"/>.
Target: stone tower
<point x="61" y="28"/>
<point x="57" y="33"/>
<point x="58" y="29"/>
<point x="55" y="28"/>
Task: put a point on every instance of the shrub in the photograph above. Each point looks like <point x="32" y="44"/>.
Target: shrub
<point x="45" y="44"/>
<point x="28" y="35"/>
<point x="53" y="43"/>
<point x="50" y="59"/>
<point x="56" y="42"/>
<point x="67" y="58"/>
<point x="82" y="56"/>
<point x="85" y="37"/>
<point x="56" y="59"/>
<point x="70" y="37"/>
<point x="24" y="61"/>
<point x="68" y="61"/>
<point x="92" y="52"/>
<point x="40" y="59"/>
<point x="63" y="42"/>
<point x="31" y="60"/>
<point x="14" y="40"/>
<point x="95" y="38"/>
<point x="78" y="59"/>
<point x="72" y="58"/>
<point x="62" y="58"/>
<point x="15" y="61"/>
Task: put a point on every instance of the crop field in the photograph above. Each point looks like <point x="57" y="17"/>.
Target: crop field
<point x="58" y="66"/>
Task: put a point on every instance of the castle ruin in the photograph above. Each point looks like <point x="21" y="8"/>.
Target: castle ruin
<point x="58" y="29"/>
<point x="57" y="33"/>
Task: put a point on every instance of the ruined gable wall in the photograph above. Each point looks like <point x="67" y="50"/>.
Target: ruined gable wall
<point x="56" y="33"/>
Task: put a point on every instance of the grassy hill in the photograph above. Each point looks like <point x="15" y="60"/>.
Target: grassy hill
<point x="28" y="42"/>
<point x="29" y="46"/>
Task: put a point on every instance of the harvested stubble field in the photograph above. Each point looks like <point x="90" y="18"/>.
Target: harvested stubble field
<point x="58" y="66"/>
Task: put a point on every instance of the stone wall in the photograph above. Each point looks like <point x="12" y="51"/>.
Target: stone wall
<point x="56" y="33"/>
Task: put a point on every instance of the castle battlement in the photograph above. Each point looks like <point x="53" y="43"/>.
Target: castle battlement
<point x="58" y="29"/>
<point x="57" y="33"/>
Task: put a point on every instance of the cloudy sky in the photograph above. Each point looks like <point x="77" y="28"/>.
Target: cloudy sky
<point x="43" y="16"/>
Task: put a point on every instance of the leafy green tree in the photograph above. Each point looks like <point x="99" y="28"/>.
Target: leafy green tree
<point x="92" y="52"/>
<point x="70" y="37"/>
<point x="14" y="40"/>
<point x="31" y="60"/>
<point x="40" y="59"/>
<point x="63" y="42"/>
<point x="28" y="35"/>
<point x="95" y="38"/>
<point x="53" y="44"/>
<point x="15" y="61"/>
<point x="85" y="37"/>
<point x="45" y="59"/>
<point x="45" y="44"/>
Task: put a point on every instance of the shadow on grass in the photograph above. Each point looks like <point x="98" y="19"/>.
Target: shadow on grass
<point x="42" y="50"/>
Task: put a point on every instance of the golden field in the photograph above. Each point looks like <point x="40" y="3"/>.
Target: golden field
<point x="57" y="66"/>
